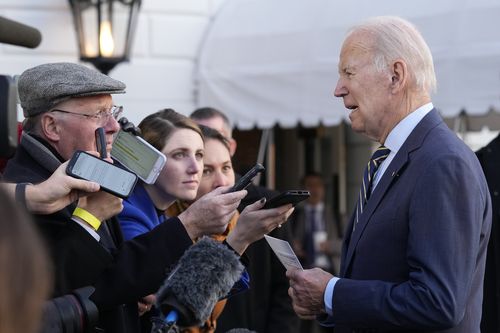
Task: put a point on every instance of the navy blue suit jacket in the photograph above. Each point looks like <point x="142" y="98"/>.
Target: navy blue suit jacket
<point x="415" y="262"/>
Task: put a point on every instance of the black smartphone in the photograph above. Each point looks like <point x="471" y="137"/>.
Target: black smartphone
<point x="100" y="142"/>
<point x="113" y="179"/>
<point x="244" y="181"/>
<point x="288" y="197"/>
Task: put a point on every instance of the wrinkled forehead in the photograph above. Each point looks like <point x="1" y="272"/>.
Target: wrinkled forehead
<point x="357" y="47"/>
<point x="92" y="103"/>
<point x="358" y="42"/>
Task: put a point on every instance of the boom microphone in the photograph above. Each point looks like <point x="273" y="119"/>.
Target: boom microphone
<point x="205" y="274"/>
<point x="15" y="33"/>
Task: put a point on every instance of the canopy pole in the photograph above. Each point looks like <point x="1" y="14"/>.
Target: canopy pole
<point x="267" y="145"/>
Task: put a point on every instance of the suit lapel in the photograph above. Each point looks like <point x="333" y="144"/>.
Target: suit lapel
<point x="345" y="246"/>
<point x="391" y="175"/>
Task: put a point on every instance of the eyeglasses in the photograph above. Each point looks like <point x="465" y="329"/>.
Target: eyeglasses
<point x="102" y="116"/>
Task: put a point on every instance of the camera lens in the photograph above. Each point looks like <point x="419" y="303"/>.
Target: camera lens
<point x="72" y="313"/>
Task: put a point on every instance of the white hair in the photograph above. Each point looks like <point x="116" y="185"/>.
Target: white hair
<point x="396" y="38"/>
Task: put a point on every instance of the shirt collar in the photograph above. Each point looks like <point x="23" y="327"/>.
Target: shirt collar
<point x="402" y="130"/>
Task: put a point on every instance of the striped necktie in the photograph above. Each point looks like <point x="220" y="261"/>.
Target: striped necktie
<point x="366" y="187"/>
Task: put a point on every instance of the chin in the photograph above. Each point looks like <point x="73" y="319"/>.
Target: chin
<point x="357" y="128"/>
<point x="189" y="196"/>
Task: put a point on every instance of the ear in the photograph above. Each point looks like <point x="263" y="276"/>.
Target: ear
<point x="50" y="128"/>
<point x="399" y="76"/>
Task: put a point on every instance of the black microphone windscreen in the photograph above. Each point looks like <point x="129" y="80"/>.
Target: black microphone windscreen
<point x="15" y="33"/>
<point x="205" y="274"/>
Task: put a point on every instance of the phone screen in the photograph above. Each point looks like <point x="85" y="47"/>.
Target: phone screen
<point x="138" y="156"/>
<point x="107" y="175"/>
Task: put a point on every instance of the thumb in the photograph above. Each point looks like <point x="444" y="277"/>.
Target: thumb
<point x="84" y="185"/>
<point x="221" y="190"/>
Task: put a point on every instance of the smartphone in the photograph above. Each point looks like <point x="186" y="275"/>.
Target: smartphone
<point x="100" y="142"/>
<point x="244" y="181"/>
<point x="288" y="197"/>
<point x="137" y="155"/>
<point x="113" y="179"/>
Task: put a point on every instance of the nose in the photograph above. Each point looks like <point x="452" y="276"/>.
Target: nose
<point x="220" y="180"/>
<point x="195" y="166"/>
<point x="112" y="126"/>
<point x="340" y="89"/>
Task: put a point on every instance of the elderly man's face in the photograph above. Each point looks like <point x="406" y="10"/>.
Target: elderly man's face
<point x="365" y="90"/>
<point x="76" y="130"/>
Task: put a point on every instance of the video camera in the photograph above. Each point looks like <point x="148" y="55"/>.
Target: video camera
<point x="72" y="313"/>
<point x="12" y="33"/>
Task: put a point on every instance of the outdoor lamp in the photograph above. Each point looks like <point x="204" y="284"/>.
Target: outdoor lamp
<point x="105" y="29"/>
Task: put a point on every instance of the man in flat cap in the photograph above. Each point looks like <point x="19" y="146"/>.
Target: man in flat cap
<point x="64" y="104"/>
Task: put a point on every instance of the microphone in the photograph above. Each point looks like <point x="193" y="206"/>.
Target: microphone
<point x="15" y="33"/>
<point x="204" y="275"/>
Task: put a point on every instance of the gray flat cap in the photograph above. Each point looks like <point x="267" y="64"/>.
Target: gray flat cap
<point x="42" y="87"/>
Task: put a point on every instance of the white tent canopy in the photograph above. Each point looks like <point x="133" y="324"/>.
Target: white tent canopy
<point x="266" y="62"/>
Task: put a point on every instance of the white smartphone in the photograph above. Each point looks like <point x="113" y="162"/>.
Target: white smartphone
<point x="137" y="155"/>
<point x="113" y="179"/>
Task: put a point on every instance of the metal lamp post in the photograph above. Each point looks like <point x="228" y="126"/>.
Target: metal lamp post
<point x="105" y="30"/>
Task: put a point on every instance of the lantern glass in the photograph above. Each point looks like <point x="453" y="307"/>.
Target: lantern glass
<point x="105" y="30"/>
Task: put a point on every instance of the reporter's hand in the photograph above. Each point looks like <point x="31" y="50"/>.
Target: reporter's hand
<point x="144" y="305"/>
<point x="255" y="222"/>
<point x="101" y="204"/>
<point x="57" y="192"/>
<point x="307" y="288"/>
<point x="211" y="213"/>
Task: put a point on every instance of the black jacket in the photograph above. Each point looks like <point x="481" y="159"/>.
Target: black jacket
<point x="121" y="276"/>
<point x="489" y="157"/>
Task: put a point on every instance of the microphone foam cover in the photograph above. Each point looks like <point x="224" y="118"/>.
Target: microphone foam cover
<point x="16" y="33"/>
<point x="205" y="274"/>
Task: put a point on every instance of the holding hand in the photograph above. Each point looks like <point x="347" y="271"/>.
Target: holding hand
<point x="102" y="205"/>
<point x="145" y="304"/>
<point x="307" y="288"/>
<point x="57" y="192"/>
<point x="211" y="213"/>
<point x="255" y="222"/>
